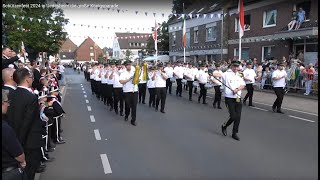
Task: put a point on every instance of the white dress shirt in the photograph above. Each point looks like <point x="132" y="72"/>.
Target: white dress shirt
<point x="12" y="87"/>
<point x="250" y="74"/>
<point x="128" y="87"/>
<point x="150" y="83"/>
<point x="96" y="75"/>
<point x="169" y="71"/>
<point x="159" y="81"/>
<point x="140" y="78"/>
<point x="179" y="72"/>
<point x="91" y="75"/>
<point x="110" y="81"/>
<point x="103" y="79"/>
<point x="190" y="74"/>
<point x="232" y="80"/>
<point x="202" y="77"/>
<point x="281" y="82"/>
<point x="214" y="79"/>
<point x="116" y="76"/>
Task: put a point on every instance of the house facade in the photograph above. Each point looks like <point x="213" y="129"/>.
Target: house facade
<point x="212" y="37"/>
<point x="88" y="51"/>
<point x="67" y="50"/>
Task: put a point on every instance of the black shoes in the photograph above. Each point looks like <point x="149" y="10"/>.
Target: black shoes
<point x="162" y="111"/>
<point x="111" y="108"/>
<point x="116" y="112"/>
<point x="219" y="107"/>
<point x="251" y="105"/>
<point x="190" y="99"/>
<point x="279" y="111"/>
<point x="121" y="113"/>
<point x="51" y="149"/>
<point x="214" y="106"/>
<point x="143" y="103"/>
<point x="126" y="118"/>
<point x="60" y="142"/>
<point x="274" y="109"/>
<point x="156" y="109"/>
<point x="40" y="169"/>
<point x="204" y="103"/>
<point x="133" y="123"/>
<point x="244" y="103"/>
<point x="49" y="159"/>
<point x="224" y="130"/>
<point x="236" y="137"/>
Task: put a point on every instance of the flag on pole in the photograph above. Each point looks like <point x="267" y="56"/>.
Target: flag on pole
<point x="241" y="18"/>
<point x="184" y="36"/>
<point x="155" y="35"/>
<point x="22" y="45"/>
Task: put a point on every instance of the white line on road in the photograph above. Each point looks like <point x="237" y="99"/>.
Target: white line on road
<point x="301" y="118"/>
<point x="89" y="108"/>
<point x="82" y="89"/>
<point x="97" y="134"/>
<point x="105" y="164"/>
<point x="92" y="118"/>
<point x="87" y="101"/>
<point x="259" y="108"/>
<point x="85" y="96"/>
<point x="84" y="92"/>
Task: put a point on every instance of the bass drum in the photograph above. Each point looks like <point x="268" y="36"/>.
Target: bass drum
<point x="195" y="84"/>
<point x="208" y="86"/>
<point x="173" y="79"/>
<point x="183" y="81"/>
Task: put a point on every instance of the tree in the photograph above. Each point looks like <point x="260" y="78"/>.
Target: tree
<point x="178" y="5"/>
<point x="39" y="36"/>
<point x="162" y="37"/>
<point x="150" y="45"/>
<point x="128" y="54"/>
<point x="101" y="58"/>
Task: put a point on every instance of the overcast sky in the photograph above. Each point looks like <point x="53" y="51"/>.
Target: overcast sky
<point x="128" y="19"/>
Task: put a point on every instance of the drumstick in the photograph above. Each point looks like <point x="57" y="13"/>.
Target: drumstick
<point x="225" y="85"/>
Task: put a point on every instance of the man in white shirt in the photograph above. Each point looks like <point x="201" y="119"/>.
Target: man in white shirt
<point x="279" y="84"/>
<point x="160" y="77"/>
<point x="61" y="72"/>
<point x="189" y="75"/>
<point x="151" y="87"/>
<point x="97" y="76"/>
<point x="233" y="86"/>
<point x="249" y="76"/>
<point x="110" y="82"/>
<point x="117" y="89"/>
<point x="202" y="77"/>
<point x="104" y="83"/>
<point x="142" y="86"/>
<point x="185" y="68"/>
<point x="217" y="86"/>
<point x="91" y="77"/>
<point x="178" y="73"/>
<point x="130" y="92"/>
<point x="169" y="72"/>
<point x="195" y="72"/>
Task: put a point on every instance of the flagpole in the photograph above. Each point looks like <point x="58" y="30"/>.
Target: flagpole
<point x="240" y="49"/>
<point x="184" y="48"/>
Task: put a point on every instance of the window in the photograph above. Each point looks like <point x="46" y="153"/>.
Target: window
<point x="306" y="6"/>
<point x="142" y="44"/>
<point x="135" y="44"/>
<point x="268" y="52"/>
<point x="247" y="23"/>
<point x="312" y="48"/>
<point x="91" y="47"/>
<point x="91" y="54"/>
<point x="211" y="33"/>
<point x="270" y="18"/>
<point x="174" y="39"/>
<point x="195" y="35"/>
<point x="244" y="53"/>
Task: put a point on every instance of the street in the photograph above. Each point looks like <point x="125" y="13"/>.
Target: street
<point x="184" y="143"/>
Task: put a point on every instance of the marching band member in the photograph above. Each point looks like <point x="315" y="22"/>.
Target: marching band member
<point x="160" y="78"/>
<point x="202" y="77"/>
<point x="143" y="83"/>
<point x="195" y="72"/>
<point x="178" y="73"/>
<point x="169" y="72"/>
<point x="249" y="75"/>
<point x="217" y="86"/>
<point x="279" y="84"/>
<point x="233" y="86"/>
<point x="185" y="69"/>
<point x="110" y="82"/>
<point x="91" y="76"/>
<point x="117" y="89"/>
<point x="189" y="76"/>
<point x="130" y="91"/>
<point x="151" y="87"/>
<point x="104" y="84"/>
<point x="98" y="81"/>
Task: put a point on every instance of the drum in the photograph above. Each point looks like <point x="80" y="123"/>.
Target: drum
<point x="173" y="79"/>
<point x="183" y="81"/>
<point x="208" y="86"/>
<point x="195" y="84"/>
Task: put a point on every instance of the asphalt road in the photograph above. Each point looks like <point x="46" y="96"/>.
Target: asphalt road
<point x="184" y="143"/>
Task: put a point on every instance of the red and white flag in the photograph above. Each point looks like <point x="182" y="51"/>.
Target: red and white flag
<point x="155" y="35"/>
<point x="184" y="31"/>
<point x="241" y="18"/>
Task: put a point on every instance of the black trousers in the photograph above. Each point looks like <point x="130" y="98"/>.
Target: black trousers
<point x="280" y="93"/>
<point x="142" y="92"/>
<point x="15" y="174"/>
<point x="118" y="97"/>
<point x="249" y="93"/>
<point x="179" y="87"/>
<point x="131" y="100"/>
<point x="56" y="126"/>
<point x="110" y="94"/>
<point x="33" y="158"/>
<point x="203" y="93"/>
<point x="185" y="87"/>
<point x="234" y="109"/>
<point x="217" y="95"/>
<point x="104" y="91"/>
<point x="190" y="87"/>
<point x="98" y="86"/>
<point x="161" y="95"/>
<point x="169" y="85"/>
<point x="152" y="98"/>
<point x="92" y="86"/>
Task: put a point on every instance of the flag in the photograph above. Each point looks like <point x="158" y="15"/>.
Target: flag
<point x="155" y="35"/>
<point x="22" y="45"/>
<point x="241" y="18"/>
<point x="184" y="36"/>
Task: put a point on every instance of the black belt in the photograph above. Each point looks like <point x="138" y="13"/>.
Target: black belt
<point x="9" y="169"/>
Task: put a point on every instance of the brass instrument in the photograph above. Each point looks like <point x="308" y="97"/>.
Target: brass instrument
<point x="136" y="76"/>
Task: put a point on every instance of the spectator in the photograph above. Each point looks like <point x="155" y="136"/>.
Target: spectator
<point x="293" y="21"/>
<point x="309" y="73"/>
<point x="36" y="75"/>
<point x="7" y="59"/>
<point x="24" y="117"/>
<point x="301" y="17"/>
<point x="7" y="77"/>
<point x="13" y="158"/>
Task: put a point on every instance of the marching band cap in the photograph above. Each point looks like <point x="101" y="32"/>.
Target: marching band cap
<point x="280" y="64"/>
<point x="203" y="65"/>
<point x="235" y="63"/>
<point x="42" y="94"/>
<point x="160" y="65"/>
<point x="127" y="62"/>
<point x="54" y="88"/>
<point x="249" y="61"/>
<point x="112" y="63"/>
<point x="118" y="63"/>
<point x="217" y="65"/>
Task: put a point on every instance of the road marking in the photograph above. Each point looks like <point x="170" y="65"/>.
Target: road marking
<point x="83" y="92"/>
<point x="85" y="96"/>
<point x="105" y="164"/>
<point x="82" y="89"/>
<point x="92" y="118"/>
<point x="97" y="134"/>
<point x="81" y="84"/>
<point x="106" y="139"/>
<point x="259" y="108"/>
<point x="87" y="101"/>
<point x="89" y="108"/>
<point x="301" y="118"/>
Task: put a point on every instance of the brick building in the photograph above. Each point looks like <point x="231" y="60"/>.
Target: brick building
<point x="211" y="36"/>
<point x="67" y="50"/>
<point x="88" y="51"/>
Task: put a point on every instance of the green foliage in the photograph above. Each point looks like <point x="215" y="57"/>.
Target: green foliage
<point x="178" y="5"/>
<point x="163" y="39"/>
<point x="41" y="35"/>
<point x="128" y="54"/>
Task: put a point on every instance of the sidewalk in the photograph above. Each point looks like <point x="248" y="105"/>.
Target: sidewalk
<point x="296" y="102"/>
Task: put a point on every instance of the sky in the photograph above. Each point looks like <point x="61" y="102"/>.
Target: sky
<point x="127" y="19"/>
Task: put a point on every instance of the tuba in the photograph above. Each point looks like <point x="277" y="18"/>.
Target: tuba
<point x="136" y="76"/>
